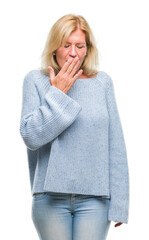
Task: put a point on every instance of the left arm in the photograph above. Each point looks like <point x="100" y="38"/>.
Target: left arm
<point x="118" y="165"/>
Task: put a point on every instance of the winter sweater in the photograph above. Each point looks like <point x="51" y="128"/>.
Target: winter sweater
<point x="74" y="141"/>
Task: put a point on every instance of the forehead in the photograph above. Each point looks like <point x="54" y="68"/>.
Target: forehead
<point x="77" y="36"/>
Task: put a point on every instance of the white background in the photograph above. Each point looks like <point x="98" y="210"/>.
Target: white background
<point x="122" y="33"/>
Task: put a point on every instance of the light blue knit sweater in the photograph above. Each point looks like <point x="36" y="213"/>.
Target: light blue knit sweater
<point x="74" y="141"/>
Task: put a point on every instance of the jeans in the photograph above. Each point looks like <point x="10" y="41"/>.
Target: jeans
<point x="64" y="216"/>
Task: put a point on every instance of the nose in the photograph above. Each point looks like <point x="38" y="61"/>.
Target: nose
<point x="73" y="52"/>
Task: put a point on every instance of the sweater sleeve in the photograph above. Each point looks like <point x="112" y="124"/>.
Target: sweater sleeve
<point x="40" y="124"/>
<point x="118" y="165"/>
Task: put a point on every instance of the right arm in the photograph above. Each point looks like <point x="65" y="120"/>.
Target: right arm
<point x="40" y="124"/>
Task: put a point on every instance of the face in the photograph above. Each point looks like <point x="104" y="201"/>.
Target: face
<point x="75" y="46"/>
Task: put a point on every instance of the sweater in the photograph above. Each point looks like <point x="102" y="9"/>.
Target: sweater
<point x="75" y="142"/>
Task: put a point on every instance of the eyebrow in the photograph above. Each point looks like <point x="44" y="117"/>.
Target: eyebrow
<point x="77" y="43"/>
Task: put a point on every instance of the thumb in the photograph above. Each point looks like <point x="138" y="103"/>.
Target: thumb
<point x="51" y="73"/>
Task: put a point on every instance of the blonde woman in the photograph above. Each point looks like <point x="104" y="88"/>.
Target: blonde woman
<point x="75" y="145"/>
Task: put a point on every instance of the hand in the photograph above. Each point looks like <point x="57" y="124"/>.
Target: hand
<point x="66" y="77"/>
<point x="118" y="224"/>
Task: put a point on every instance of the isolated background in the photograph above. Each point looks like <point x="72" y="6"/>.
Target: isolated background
<point x="122" y="36"/>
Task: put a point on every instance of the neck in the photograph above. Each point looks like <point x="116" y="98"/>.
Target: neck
<point x="87" y="76"/>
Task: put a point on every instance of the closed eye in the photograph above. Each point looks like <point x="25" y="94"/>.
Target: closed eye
<point x="80" y="47"/>
<point x="67" y="46"/>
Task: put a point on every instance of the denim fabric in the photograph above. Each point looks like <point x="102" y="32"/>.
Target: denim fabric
<point x="62" y="216"/>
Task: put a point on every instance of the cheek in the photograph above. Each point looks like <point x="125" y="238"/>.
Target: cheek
<point x="82" y="55"/>
<point x="60" y="56"/>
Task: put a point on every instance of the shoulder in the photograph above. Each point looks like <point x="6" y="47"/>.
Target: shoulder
<point x="34" y="77"/>
<point x="104" y="78"/>
<point x="107" y="78"/>
<point x="34" y="74"/>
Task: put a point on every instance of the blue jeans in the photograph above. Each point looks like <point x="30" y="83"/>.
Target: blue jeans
<point x="63" y="216"/>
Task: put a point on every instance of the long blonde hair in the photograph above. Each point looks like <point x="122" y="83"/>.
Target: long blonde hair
<point x="57" y="37"/>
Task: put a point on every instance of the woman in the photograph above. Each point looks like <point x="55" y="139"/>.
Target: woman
<point x="75" y="145"/>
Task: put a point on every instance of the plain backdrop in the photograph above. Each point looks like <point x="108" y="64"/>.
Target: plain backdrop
<point x="121" y="31"/>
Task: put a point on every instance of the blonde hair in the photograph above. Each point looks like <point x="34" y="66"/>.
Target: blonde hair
<point x="57" y="37"/>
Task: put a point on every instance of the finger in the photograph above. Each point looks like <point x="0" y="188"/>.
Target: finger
<point x="75" y="68"/>
<point x="118" y="224"/>
<point x="66" y="65"/>
<point x="72" y="65"/>
<point x="51" y="73"/>
<point x="77" y="75"/>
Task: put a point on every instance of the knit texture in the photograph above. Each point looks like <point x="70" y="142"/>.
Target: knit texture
<point x="74" y="141"/>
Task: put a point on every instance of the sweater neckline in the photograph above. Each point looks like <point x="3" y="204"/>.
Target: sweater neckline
<point x="88" y="78"/>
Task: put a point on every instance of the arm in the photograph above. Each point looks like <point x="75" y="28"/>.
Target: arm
<point x="40" y="124"/>
<point x="118" y="165"/>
